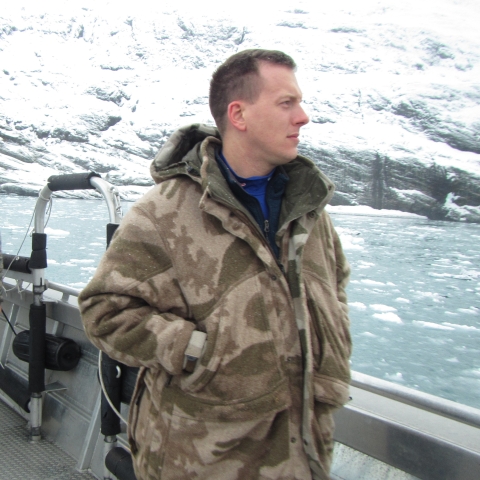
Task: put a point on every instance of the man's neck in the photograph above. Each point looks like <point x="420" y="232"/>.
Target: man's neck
<point x="241" y="160"/>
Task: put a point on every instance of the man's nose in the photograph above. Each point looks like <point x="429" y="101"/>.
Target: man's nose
<point x="302" y="118"/>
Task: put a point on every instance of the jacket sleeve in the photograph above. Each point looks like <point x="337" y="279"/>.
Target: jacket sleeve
<point x="342" y="271"/>
<point x="133" y="309"/>
<point x="342" y="268"/>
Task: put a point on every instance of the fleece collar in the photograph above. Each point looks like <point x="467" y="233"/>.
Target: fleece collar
<point x="190" y="151"/>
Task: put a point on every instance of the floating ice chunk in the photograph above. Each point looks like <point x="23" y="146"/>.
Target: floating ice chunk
<point x="89" y="269"/>
<point x="467" y="275"/>
<point x="453" y="360"/>
<point x="431" y="325"/>
<point x="472" y="274"/>
<point x="363" y="265"/>
<point x="378" y="307"/>
<point x="402" y="300"/>
<point x="56" y="232"/>
<point x="436" y="297"/>
<point x="351" y="242"/>
<point x="395" y="377"/>
<point x="460" y="327"/>
<point x="470" y="311"/>
<point x="358" y="305"/>
<point x="367" y="281"/>
<point x="388" y="317"/>
<point x="366" y="264"/>
<point x="367" y="334"/>
<point x="85" y="260"/>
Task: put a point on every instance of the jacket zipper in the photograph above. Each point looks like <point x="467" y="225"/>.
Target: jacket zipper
<point x="256" y="229"/>
<point x="247" y="221"/>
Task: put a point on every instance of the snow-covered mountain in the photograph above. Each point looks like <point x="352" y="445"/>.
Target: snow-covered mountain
<point x="392" y="89"/>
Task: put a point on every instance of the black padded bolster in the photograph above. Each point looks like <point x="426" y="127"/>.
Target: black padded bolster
<point x="36" y="364"/>
<point x="120" y="463"/>
<point x="38" y="257"/>
<point x="16" y="263"/>
<point x="72" y="181"/>
<point x="111" y="229"/>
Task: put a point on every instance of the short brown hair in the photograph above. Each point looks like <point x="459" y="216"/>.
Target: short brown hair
<point x="237" y="79"/>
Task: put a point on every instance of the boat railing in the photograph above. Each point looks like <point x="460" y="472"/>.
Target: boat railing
<point x="431" y="403"/>
<point x="384" y="424"/>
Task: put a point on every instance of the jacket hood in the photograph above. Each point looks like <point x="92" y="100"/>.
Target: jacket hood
<point x="180" y="153"/>
<point x="309" y="189"/>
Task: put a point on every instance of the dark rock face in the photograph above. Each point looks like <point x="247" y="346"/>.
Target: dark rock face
<point x="394" y="107"/>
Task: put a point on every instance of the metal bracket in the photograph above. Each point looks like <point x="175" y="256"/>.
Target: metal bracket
<point x="54" y="387"/>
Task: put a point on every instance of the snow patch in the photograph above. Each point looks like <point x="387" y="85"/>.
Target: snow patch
<point x="369" y="211"/>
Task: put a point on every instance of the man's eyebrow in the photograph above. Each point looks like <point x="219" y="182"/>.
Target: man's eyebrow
<point x="291" y="96"/>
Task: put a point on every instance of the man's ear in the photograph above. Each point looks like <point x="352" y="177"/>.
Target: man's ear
<point x="235" y="115"/>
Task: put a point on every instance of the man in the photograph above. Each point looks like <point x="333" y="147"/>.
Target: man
<point x="234" y="243"/>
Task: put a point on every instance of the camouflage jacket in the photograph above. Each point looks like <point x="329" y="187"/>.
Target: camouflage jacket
<point x="189" y="256"/>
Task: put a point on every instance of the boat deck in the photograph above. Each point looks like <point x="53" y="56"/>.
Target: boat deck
<point x="386" y="432"/>
<point x="21" y="459"/>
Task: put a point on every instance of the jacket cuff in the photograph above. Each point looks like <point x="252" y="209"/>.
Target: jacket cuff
<point x="175" y="365"/>
<point x="330" y="390"/>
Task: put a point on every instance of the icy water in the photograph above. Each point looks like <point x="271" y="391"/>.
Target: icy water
<point x="414" y="292"/>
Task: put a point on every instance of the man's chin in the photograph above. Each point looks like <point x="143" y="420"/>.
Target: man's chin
<point x="293" y="155"/>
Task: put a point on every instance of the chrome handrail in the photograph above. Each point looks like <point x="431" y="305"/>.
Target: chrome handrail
<point x="425" y="401"/>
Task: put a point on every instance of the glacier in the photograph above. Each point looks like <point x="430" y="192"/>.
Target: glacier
<point x="391" y="89"/>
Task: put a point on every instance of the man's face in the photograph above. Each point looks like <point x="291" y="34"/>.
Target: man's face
<point x="274" y="120"/>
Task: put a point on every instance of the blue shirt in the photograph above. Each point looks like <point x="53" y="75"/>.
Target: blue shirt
<point x="261" y="196"/>
<point x="254" y="186"/>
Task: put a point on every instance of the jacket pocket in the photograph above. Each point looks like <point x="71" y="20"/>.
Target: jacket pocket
<point x="330" y="329"/>
<point x="134" y="409"/>
<point x="224" y="441"/>
<point x="240" y="362"/>
<point x="149" y="424"/>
